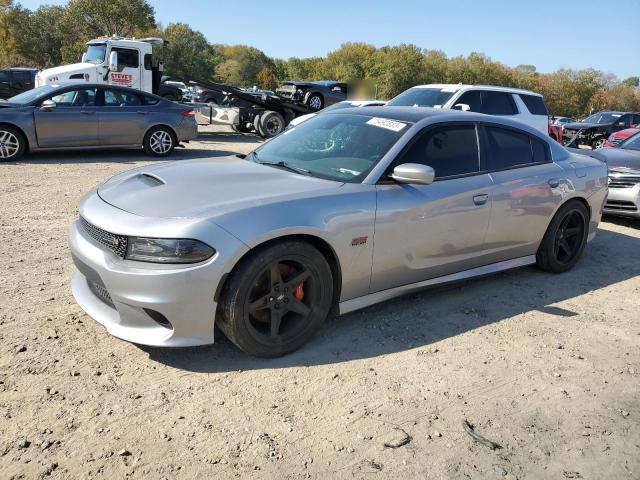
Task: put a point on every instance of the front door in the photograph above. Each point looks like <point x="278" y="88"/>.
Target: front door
<point x="427" y="231"/>
<point x="73" y="122"/>
<point x="128" y="74"/>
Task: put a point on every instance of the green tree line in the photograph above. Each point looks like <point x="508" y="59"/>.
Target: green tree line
<point x="55" y="35"/>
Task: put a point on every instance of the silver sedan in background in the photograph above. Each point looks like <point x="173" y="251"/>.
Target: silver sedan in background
<point x="92" y="116"/>
<point x="349" y="208"/>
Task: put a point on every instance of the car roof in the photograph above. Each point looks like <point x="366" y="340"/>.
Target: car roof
<point x="459" y="86"/>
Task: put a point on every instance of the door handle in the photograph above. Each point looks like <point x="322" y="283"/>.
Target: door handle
<point x="88" y="112"/>
<point x="554" y="182"/>
<point x="480" y="199"/>
<point x="142" y="113"/>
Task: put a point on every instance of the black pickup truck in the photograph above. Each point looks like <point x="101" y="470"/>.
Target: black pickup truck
<point x="595" y="129"/>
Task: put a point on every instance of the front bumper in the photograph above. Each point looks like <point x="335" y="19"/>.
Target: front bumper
<point x="126" y="296"/>
<point x="623" y="202"/>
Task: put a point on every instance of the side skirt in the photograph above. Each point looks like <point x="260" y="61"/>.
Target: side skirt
<point x="377" y="297"/>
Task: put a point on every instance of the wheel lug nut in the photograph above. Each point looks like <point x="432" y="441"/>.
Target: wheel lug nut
<point x="271" y="299"/>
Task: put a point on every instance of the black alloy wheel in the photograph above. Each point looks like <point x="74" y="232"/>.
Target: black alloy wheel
<point x="565" y="238"/>
<point x="276" y="298"/>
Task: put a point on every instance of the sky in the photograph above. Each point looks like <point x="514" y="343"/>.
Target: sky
<point x="549" y="34"/>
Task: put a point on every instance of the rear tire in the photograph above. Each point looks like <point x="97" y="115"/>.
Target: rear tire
<point x="159" y="141"/>
<point x="271" y="124"/>
<point x="12" y="143"/>
<point x="256" y="124"/>
<point x="276" y="299"/>
<point x="565" y="238"/>
<point x="598" y="143"/>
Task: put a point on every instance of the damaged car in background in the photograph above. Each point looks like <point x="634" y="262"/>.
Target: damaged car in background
<point x="314" y="95"/>
<point x="594" y="130"/>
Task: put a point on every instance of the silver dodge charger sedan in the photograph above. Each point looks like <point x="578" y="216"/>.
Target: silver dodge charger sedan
<point x="343" y="211"/>
<point x="87" y="116"/>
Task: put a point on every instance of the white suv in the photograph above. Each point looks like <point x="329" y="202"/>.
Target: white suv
<point x="523" y="105"/>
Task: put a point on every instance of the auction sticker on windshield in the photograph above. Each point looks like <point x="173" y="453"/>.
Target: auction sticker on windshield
<point x="386" y="123"/>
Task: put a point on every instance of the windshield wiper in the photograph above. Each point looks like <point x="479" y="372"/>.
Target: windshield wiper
<point x="287" y="166"/>
<point x="282" y="164"/>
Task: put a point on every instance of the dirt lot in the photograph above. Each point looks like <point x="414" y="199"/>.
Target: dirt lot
<point x="546" y="366"/>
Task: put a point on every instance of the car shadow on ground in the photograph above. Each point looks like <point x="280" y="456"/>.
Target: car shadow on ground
<point x="420" y="319"/>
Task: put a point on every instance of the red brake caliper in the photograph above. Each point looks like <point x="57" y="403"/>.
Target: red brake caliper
<point x="299" y="293"/>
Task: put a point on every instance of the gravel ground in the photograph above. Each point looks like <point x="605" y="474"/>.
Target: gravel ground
<point x="547" y="366"/>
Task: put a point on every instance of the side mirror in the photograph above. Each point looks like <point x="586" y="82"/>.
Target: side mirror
<point x="113" y="61"/>
<point x="84" y="58"/>
<point x="413" y="173"/>
<point x="48" y="105"/>
<point x="461" y="106"/>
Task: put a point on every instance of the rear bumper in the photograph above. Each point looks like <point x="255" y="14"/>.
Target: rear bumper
<point x="188" y="130"/>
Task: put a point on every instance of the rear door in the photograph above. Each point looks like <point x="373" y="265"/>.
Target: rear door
<point x="123" y="117"/>
<point x="427" y="231"/>
<point x="528" y="189"/>
<point x="72" y="123"/>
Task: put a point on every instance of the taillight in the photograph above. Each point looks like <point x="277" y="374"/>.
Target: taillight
<point x="188" y="113"/>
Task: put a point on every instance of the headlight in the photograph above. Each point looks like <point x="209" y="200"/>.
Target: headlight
<point x="167" y="250"/>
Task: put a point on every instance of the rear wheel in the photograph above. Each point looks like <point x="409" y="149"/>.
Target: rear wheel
<point x="159" y="141"/>
<point x="256" y="124"/>
<point x="565" y="238"/>
<point x="271" y="124"/>
<point x="276" y="299"/>
<point x="12" y="143"/>
<point x="598" y="143"/>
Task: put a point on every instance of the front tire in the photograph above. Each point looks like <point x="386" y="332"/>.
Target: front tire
<point x="12" y="143"/>
<point x="565" y="238"/>
<point x="315" y="102"/>
<point x="276" y="299"/>
<point x="159" y="142"/>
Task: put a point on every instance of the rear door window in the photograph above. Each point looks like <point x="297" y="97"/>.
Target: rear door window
<point x="449" y="150"/>
<point x="498" y="103"/>
<point x="535" y="104"/>
<point x="507" y="148"/>
<point x="4" y="76"/>
<point x="120" y="98"/>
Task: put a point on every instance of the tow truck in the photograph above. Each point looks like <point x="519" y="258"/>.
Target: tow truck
<point x="115" y="60"/>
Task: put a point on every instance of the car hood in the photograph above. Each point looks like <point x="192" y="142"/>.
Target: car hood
<point x="579" y="125"/>
<point x="71" y="68"/>
<point x="206" y="188"/>
<point x="620" y="158"/>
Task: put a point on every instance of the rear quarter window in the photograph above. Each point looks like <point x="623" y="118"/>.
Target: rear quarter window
<point x="534" y="104"/>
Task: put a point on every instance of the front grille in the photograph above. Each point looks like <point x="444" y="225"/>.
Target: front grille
<point x="116" y="243"/>
<point x="623" y="182"/>
<point x="101" y="292"/>
<point x="622" y="205"/>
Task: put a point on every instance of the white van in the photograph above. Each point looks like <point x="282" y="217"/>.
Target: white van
<point x="523" y="105"/>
